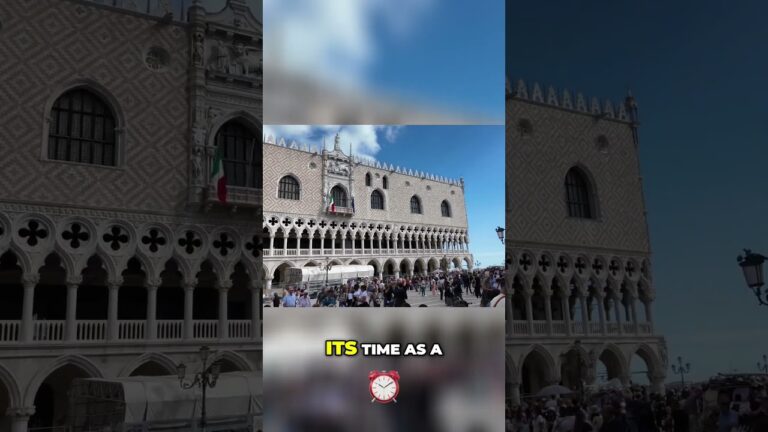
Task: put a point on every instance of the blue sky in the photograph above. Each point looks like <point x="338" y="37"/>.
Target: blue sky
<point x="698" y="71"/>
<point x="475" y="153"/>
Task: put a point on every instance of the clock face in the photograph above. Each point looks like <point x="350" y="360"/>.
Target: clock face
<point x="384" y="388"/>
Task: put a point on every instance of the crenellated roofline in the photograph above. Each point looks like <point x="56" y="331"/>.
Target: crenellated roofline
<point x="369" y="162"/>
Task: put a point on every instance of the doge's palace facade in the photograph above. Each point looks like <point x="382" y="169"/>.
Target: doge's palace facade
<point x="116" y="258"/>
<point x="401" y="222"/>
<point x="579" y="287"/>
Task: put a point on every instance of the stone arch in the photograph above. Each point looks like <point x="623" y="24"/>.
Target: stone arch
<point x="468" y="261"/>
<point x="537" y="370"/>
<point x="101" y="91"/>
<point x="580" y="169"/>
<point x="9" y="389"/>
<point x="390" y="267"/>
<point x="235" y="361"/>
<point x="419" y="266"/>
<point x="575" y="367"/>
<point x="654" y="364"/>
<point x="280" y="271"/>
<point x="433" y="264"/>
<point x="376" y="267"/>
<point x="75" y="360"/>
<point x="160" y="359"/>
<point x="405" y="266"/>
<point x="456" y="261"/>
<point x="251" y="121"/>
<point x="612" y="359"/>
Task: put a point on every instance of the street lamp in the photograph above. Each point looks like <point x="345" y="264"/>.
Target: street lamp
<point x="752" y="266"/>
<point x="681" y="369"/>
<point x="500" y="233"/>
<point x="763" y="367"/>
<point x="207" y="377"/>
<point x="327" y="269"/>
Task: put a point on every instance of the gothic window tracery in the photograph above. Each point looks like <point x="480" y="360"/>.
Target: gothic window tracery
<point x="241" y="154"/>
<point x="289" y="188"/>
<point x="82" y="129"/>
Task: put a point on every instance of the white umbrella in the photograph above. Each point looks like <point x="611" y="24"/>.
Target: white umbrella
<point x="553" y="390"/>
<point x="612" y="384"/>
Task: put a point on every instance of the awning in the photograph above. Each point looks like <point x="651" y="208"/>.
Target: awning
<point x="161" y="399"/>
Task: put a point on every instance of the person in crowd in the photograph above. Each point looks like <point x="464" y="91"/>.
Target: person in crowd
<point x="289" y="300"/>
<point x="303" y="300"/>
<point x="275" y="300"/>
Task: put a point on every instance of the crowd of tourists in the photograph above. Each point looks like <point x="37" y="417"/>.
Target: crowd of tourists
<point x="452" y="287"/>
<point x="635" y="410"/>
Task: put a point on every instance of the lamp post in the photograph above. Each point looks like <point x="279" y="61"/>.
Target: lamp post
<point x="752" y="266"/>
<point x="500" y="233"/>
<point x="207" y="377"/>
<point x="327" y="269"/>
<point x="763" y="367"/>
<point x="680" y="369"/>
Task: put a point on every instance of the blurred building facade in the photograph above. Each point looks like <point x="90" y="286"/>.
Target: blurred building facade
<point x="579" y="288"/>
<point x="116" y="257"/>
<point x="401" y="222"/>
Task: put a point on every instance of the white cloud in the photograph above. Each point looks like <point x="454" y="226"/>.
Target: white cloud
<point x="334" y="40"/>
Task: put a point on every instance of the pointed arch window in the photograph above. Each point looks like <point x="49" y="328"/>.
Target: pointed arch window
<point x="377" y="200"/>
<point x="579" y="194"/>
<point x="385" y="182"/>
<point x="415" y="205"/>
<point x="367" y="179"/>
<point x="241" y="154"/>
<point x="82" y="129"/>
<point x="339" y="196"/>
<point x="445" y="208"/>
<point x="289" y="188"/>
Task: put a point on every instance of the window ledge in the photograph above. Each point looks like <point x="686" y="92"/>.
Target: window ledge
<point x="83" y="164"/>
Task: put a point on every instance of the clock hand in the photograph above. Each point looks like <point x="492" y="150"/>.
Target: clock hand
<point x="390" y="383"/>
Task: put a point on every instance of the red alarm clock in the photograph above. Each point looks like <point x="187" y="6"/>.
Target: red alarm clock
<point x="384" y="386"/>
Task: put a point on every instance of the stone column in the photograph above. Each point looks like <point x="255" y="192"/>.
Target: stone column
<point x="547" y="292"/>
<point x="584" y="316"/>
<point x="20" y="418"/>
<point x="27" y="320"/>
<point x="271" y="244"/>
<point x="566" y="311"/>
<point x="657" y="383"/>
<point x="514" y="392"/>
<point x="113" y="288"/>
<point x="223" y="313"/>
<point x="151" y="323"/>
<point x="633" y="312"/>
<point x="601" y="313"/>
<point x="617" y="312"/>
<point x="71" y="329"/>
<point x="648" y="303"/>
<point x="255" y="311"/>
<point x="528" y="293"/>
<point x="268" y="284"/>
<point x="189" y="290"/>
<point x="509" y="312"/>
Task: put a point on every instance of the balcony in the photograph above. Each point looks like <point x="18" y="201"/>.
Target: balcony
<point x="237" y="196"/>
<point x="97" y="331"/>
<point x="522" y="328"/>
<point x="358" y="251"/>
<point x="341" y="211"/>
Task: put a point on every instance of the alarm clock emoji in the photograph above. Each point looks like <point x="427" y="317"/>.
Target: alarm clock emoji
<point x="384" y="386"/>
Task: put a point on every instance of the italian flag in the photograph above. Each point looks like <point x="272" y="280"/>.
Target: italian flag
<point x="217" y="176"/>
<point x="331" y="204"/>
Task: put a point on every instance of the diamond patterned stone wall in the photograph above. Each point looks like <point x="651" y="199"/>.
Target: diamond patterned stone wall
<point x="49" y="45"/>
<point x="536" y="166"/>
